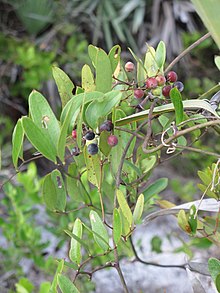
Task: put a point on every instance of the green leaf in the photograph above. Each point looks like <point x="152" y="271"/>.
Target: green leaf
<point x="17" y="142"/>
<point x="117" y="226"/>
<point x="183" y="221"/>
<point x="64" y="85"/>
<point x="126" y="227"/>
<point x="217" y="62"/>
<point x="138" y="210"/>
<point x="192" y="219"/>
<point x="155" y="188"/>
<point x="217" y="282"/>
<point x="54" y="193"/>
<point x="43" y="116"/>
<point x="126" y="211"/>
<point x="160" y="55"/>
<point x="103" y="146"/>
<point x="88" y="83"/>
<point x="78" y="239"/>
<point x="93" y="168"/>
<point x="103" y="72"/>
<point x="150" y="62"/>
<point x="209" y="13"/>
<point x="66" y="286"/>
<point x="102" y="107"/>
<point x="114" y="57"/>
<point x="176" y="99"/>
<point x="214" y="267"/>
<point x="188" y="105"/>
<point x="39" y="139"/>
<point x="53" y="288"/>
<point x="44" y="287"/>
<point x="93" y="52"/>
<point x="64" y="131"/>
<point x="141" y="75"/>
<point x="99" y="228"/>
<point x="138" y="60"/>
<point x="60" y="190"/>
<point x="75" y="247"/>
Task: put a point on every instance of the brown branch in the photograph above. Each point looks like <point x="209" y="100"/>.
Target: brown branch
<point x="152" y="263"/>
<point x="186" y="51"/>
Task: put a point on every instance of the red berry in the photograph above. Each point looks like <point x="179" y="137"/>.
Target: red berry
<point x="112" y="140"/>
<point x="166" y="90"/>
<point x="129" y="67"/>
<point x="161" y="80"/>
<point x="74" y="134"/>
<point x="151" y="83"/>
<point x="138" y="93"/>
<point x="172" y="76"/>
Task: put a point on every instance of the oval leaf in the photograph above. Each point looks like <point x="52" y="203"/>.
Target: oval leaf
<point x="103" y="72"/>
<point x="155" y="188"/>
<point x="43" y="116"/>
<point x="66" y="286"/>
<point x="64" y="84"/>
<point x="138" y="210"/>
<point x="126" y="211"/>
<point x="88" y="83"/>
<point x="75" y="247"/>
<point x="99" y="228"/>
<point x="17" y="142"/>
<point x="176" y="99"/>
<point x="117" y="226"/>
<point x="38" y="137"/>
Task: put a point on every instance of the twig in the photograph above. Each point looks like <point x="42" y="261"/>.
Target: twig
<point x="186" y="51"/>
<point x="180" y="133"/>
<point x="188" y="148"/>
<point x="152" y="263"/>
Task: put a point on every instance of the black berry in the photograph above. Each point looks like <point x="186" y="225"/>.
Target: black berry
<point x="112" y="140"/>
<point x="151" y="83"/>
<point x="179" y="85"/>
<point x="90" y="135"/>
<point x="138" y="93"/>
<point x="106" y="125"/>
<point x="172" y="76"/>
<point x="92" y="149"/>
<point x="166" y="90"/>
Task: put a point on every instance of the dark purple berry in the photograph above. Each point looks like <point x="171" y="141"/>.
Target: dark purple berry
<point x="151" y="83"/>
<point x="112" y="140"/>
<point x="106" y="125"/>
<point x="129" y="67"/>
<point x="172" y="76"/>
<point x="90" y="135"/>
<point x="166" y="90"/>
<point x="92" y="149"/>
<point x="74" y="134"/>
<point x="138" y="93"/>
<point x="161" y="80"/>
<point x="179" y="85"/>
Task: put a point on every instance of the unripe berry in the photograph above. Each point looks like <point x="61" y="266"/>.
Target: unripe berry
<point x="161" y="80"/>
<point x="172" y="76"/>
<point x="166" y="90"/>
<point x="138" y="93"/>
<point x="112" y="140"/>
<point x="92" y="149"/>
<point x="74" y="134"/>
<point x="129" y="67"/>
<point x="151" y="83"/>
<point x="106" y="125"/>
<point x="179" y="85"/>
<point x="90" y="135"/>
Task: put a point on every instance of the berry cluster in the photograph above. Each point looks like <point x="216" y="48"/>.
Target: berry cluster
<point x="161" y="82"/>
<point x="91" y="141"/>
